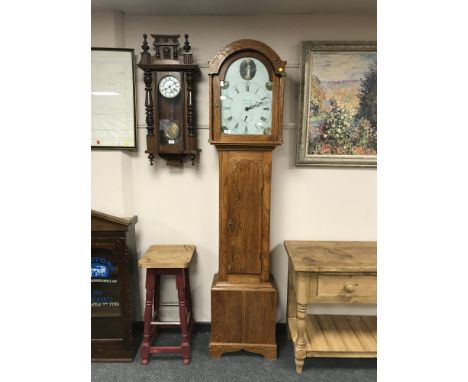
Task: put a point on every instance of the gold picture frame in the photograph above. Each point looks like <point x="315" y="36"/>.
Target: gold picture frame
<point x="338" y="104"/>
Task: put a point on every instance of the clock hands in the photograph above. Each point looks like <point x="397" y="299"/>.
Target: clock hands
<point x="171" y="87"/>
<point x="245" y="123"/>
<point x="247" y="108"/>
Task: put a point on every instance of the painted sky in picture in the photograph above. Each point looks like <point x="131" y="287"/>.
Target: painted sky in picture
<point x="346" y="66"/>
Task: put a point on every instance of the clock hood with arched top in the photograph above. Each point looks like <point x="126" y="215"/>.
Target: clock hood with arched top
<point x="244" y="46"/>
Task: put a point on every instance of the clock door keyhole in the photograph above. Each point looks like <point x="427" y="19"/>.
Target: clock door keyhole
<point x="229" y="223"/>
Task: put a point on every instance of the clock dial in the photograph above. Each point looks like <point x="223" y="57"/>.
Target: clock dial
<point x="246" y="102"/>
<point x="169" y="86"/>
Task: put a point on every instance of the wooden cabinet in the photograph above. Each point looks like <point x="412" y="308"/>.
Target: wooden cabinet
<point x="330" y="272"/>
<point x="114" y="288"/>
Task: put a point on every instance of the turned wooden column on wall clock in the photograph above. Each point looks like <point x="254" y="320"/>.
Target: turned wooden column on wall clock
<point x="246" y="109"/>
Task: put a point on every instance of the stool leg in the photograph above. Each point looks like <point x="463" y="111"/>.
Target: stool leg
<point x="156" y="304"/>
<point x="145" y="347"/>
<point x="189" y="302"/>
<point x="182" y="292"/>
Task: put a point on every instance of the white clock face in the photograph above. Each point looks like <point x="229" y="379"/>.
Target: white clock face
<point x="169" y="86"/>
<point x="246" y="101"/>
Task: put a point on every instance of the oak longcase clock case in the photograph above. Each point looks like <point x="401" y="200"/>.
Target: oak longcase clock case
<point x="246" y="81"/>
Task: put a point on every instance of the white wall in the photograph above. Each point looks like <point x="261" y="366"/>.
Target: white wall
<point x="181" y="205"/>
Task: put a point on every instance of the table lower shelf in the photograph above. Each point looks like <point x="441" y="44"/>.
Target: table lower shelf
<point x="338" y="336"/>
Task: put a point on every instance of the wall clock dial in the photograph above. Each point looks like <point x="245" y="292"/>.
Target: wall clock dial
<point x="169" y="86"/>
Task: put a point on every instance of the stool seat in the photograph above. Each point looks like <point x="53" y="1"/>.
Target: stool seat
<point x="167" y="256"/>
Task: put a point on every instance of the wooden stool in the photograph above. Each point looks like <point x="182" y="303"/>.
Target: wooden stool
<point x="167" y="260"/>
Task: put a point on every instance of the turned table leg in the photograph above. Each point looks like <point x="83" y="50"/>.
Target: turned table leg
<point x="291" y="300"/>
<point x="299" y="349"/>
<point x="301" y="307"/>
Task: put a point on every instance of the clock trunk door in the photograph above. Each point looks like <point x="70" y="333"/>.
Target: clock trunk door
<point x="169" y="112"/>
<point x="245" y="212"/>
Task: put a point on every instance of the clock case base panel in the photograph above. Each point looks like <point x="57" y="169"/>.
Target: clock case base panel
<point x="243" y="317"/>
<point x="217" y="349"/>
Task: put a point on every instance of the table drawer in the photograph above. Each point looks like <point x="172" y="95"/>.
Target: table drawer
<point x="344" y="286"/>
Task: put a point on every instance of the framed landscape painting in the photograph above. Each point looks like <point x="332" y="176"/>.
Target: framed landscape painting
<point x="338" y="104"/>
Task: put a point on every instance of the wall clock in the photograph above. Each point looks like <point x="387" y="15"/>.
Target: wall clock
<point x="169" y="100"/>
<point x="246" y="81"/>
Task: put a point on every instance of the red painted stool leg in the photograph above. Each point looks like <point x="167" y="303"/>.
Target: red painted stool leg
<point x="181" y="288"/>
<point x="189" y="301"/>
<point x="156" y="305"/>
<point x="145" y="347"/>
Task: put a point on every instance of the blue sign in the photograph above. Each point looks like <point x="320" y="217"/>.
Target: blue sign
<point x="99" y="271"/>
<point x="101" y="268"/>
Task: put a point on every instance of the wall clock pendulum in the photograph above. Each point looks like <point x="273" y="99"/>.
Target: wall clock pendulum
<point x="169" y="100"/>
<point x="246" y="80"/>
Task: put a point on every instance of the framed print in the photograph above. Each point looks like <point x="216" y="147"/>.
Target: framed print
<point x="113" y="124"/>
<point x="338" y="104"/>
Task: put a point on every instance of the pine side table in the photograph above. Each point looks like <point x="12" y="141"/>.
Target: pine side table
<point x="331" y="272"/>
<point x="167" y="260"/>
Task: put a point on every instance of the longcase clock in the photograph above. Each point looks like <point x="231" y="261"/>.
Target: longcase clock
<point x="246" y="109"/>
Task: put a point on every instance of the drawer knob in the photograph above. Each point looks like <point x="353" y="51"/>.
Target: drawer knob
<point x="349" y="288"/>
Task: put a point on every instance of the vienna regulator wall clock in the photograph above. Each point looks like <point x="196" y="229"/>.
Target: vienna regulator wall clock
<point x="246" y="81"/>
<point x="169" y="100"/>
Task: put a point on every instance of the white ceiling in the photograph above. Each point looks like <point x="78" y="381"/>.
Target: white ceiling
<point x="234" y="7"/>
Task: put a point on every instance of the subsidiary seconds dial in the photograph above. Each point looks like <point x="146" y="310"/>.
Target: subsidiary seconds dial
<point x="169" y="86"/>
